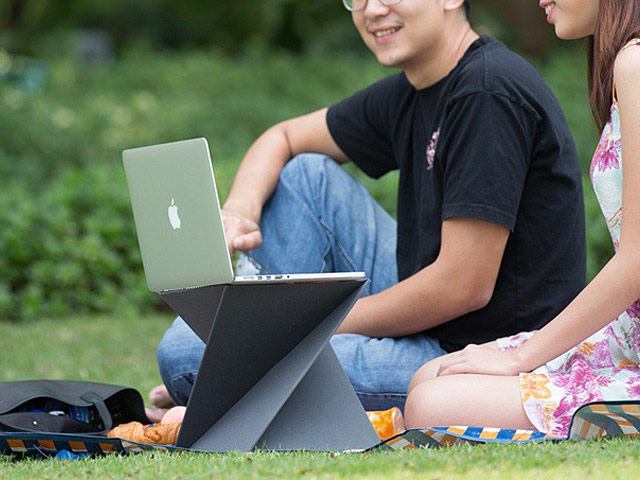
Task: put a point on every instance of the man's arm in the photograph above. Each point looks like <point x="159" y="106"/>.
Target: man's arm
<point x="461" y="280"/>
<point x="259" y="172"/>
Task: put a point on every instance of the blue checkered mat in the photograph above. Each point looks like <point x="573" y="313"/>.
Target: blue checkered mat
<point x="591" y="422"/>
<point x="50" y="444"/>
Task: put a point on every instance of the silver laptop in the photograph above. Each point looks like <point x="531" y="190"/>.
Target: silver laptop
<point x="177" y="215"/>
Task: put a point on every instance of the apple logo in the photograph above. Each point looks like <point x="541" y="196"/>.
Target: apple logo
<point x="174" y="219"/>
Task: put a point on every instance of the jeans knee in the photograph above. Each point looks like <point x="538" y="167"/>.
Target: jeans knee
<point x="179" y="351"/>
<point x="304" y="162"/>
<point x="307" y="168"/>
<point x="163" y="353"/>
<point x="169" y="339"/>
<point x="165" y="356"/>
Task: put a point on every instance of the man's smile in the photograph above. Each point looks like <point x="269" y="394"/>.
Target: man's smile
<point x="384" y="32"/>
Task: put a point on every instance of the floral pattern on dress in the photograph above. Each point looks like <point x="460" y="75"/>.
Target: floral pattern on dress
<point x="534" y="385"/>
<point x="608" y="153"/>
<point x="596" y="355"/>
<point x="633" y="386"/>
<point x="582" y="384"/>
<point x="606" y="366"/>
<point x="634" y="310"/>
<point x="601" y="356"/>
<point x="513" y="342"/>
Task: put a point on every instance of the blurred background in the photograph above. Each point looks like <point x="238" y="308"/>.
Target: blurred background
<point x="82" y="80"/>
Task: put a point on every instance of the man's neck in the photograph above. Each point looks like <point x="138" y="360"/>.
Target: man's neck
<point x="442" y="59"/>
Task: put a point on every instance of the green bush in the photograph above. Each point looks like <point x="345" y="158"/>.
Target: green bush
<point x="70" y="248"/>
<point x="68" y="241"/>
<point x="88" y="115"/>
<point x="230" y="27"/>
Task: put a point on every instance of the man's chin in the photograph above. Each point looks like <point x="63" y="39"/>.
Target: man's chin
<point x="389" y="61"/>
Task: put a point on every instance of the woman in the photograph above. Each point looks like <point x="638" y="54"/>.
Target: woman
<point x="591" y="351"/>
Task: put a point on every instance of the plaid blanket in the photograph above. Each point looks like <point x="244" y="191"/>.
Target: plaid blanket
<point x="591" y="422"/>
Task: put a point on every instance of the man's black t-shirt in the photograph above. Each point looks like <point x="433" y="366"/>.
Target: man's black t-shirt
<point x="488" y="142"/>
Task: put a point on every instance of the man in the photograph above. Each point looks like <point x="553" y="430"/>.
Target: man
<point x="490" y="233"/>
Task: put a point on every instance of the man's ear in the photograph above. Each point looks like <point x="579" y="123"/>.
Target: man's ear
<point x="452" y="5"/>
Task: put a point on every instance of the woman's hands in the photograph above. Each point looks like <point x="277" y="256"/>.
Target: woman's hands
<point x="483" y="360"/>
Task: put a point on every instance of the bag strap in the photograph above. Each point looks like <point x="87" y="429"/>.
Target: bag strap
<point x="103" y="411"/>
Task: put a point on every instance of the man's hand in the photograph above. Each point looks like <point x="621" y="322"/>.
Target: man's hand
<point x="243" y="233"/>
<point x="482" y="360"/>
<point x="259" y="173"/>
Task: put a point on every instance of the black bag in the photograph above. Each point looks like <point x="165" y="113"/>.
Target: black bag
<point x="63" y="406"/>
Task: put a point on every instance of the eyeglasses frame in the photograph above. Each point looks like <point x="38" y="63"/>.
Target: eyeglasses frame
<point x="386" y="3"/>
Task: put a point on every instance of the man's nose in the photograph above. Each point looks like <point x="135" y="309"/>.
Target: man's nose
<point x="375" y="8"/>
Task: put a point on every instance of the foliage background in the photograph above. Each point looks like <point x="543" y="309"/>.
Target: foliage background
<point x="80" y="81"/>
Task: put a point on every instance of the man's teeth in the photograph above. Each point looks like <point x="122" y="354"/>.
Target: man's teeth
<point x="548" y="8"/>
<point x="382" y="33"/>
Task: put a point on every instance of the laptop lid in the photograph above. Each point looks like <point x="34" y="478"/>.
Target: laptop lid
<point x="177" y="215"/>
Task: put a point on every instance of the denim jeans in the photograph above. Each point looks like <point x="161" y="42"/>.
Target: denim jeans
<point x="320" y="219"/>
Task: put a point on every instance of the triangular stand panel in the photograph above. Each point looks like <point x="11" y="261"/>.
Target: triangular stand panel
<point x="269" y="377"/>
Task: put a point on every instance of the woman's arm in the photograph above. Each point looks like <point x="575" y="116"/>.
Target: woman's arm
<point x="614" y="289"/>
<point x="617" y="286"/>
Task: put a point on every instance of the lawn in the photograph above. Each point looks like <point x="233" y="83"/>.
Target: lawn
<point x="60" y="147"/>
<point x="122" y="350"/>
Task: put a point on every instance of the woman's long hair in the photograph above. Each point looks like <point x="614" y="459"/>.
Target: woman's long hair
<point x="618" y="23"/>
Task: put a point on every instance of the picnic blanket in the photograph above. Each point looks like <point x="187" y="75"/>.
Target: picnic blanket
<point x="591" y="422"/>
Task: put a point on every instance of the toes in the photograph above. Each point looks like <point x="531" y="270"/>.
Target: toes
<point x="160" y="398"/>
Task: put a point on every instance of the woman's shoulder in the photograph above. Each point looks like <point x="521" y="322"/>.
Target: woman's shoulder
<point x="626" y="71"/>
<point x="627" y="63"/>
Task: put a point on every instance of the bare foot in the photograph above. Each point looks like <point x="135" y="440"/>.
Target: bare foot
<point x="155" y="414"/>
<point x="160" y="398"/>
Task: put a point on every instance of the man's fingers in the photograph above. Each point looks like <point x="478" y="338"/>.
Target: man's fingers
<point x="249" y="241"/>
<point x="242" y="233"/>
<point x="232" y="236"/>
<point x="235" y="223"/>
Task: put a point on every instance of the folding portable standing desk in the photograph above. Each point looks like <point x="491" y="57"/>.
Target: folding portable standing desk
<point x="269" y="377"/>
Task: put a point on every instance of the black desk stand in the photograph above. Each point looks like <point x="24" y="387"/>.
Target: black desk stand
<point x="268" y="377"/>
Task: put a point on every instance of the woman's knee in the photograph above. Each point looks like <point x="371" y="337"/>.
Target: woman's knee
<point x="423" y="404"/>
<point x="428" y="371"/>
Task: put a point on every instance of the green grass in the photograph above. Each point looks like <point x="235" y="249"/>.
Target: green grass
<point x="608" y="460"/>
<point x="122" y="350"/>
<point x="112" y="350"/>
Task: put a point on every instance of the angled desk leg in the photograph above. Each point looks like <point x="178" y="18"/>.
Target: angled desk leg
<point x="269" y="378"/>
<point x="197" y="307"/>
<point x="322" y="413"/>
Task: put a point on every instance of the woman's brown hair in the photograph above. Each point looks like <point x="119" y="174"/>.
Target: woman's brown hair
<point x="618" y="23"/>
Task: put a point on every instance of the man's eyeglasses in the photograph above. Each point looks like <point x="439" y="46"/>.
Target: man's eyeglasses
<point x="355" y="5"/>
